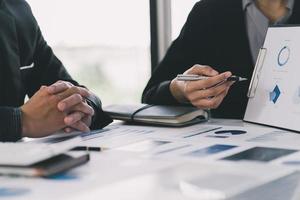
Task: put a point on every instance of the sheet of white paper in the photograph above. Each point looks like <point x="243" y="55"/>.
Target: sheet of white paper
<point x="192" y="181"/>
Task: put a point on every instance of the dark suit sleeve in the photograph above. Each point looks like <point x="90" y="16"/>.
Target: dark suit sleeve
<point x="49" y="69"/>
<point x="100" y="119"/>
<point x="184" y="52"/>
<point x="10" y="123"/>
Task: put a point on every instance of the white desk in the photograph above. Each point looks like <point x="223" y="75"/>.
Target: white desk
<point x="116" y="174"/>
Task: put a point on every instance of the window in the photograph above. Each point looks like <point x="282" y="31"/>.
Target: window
<point x="180" y="11"/>
<point x="105" y="45"/>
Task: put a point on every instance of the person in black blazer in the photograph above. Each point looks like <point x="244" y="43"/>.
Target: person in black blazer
<point x="29" y="67"/>
<point x="224" y="37"/>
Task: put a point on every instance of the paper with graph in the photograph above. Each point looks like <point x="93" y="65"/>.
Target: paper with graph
<point x="274" y="93"/>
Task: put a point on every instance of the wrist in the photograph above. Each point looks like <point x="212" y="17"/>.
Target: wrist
<point x="25" y="124"/>
<point x="177" y="92"/>
<point x="93" y="117"/>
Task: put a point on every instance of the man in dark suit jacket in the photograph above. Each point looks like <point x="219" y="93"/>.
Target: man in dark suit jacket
<point x="225" y="35"/>
<point x="27" y="67"/>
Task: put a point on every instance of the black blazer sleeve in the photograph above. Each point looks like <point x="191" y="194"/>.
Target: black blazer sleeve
<point x="10" y="123"/>
<point x="182" y="54"/>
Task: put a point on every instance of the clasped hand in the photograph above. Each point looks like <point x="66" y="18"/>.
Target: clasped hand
<point x="61" y="106"/>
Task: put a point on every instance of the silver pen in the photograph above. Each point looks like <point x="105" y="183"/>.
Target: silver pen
<point x="193" y="77"/>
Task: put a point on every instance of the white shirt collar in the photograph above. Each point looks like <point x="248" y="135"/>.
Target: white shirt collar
<point x="289" y="5"/>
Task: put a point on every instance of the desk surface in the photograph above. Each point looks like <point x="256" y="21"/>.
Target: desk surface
<point x="131" y="171"/>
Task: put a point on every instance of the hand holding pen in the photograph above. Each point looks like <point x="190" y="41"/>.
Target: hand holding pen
<point x="205" y="93"/>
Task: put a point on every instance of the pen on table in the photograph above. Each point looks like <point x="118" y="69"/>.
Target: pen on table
<point x="85" y="148"/>
<point x="193" y="77"/>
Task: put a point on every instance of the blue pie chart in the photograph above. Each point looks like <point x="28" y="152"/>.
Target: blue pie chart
<point x="283" y="56"/>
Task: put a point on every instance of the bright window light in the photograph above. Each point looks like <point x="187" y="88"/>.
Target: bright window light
<point x="105" y="45"/>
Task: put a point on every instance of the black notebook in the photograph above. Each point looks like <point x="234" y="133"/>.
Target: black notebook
<point x="157" y="114"/>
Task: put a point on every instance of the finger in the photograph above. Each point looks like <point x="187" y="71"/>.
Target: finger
<point x="80" y="126"/>
<point x="210" y="82"/>
<point x="211" y="92"/>
<point x="84" y="108"/>
<point x="69" y="130"/>
<point x="73" y="118"/>
<point x="69" y="102"/>
<point x="213" y="81"/>
<point x="73" y="90"/>
<point x="202" y="70"/>
<point x="59" y="86"/>
<point x="231" y="83"/>
<point x="87" y="120"/>
<point x="219" y="99"/>
<point x="43" y="87"/>
<point x="212" y="102"/>
<point x="42" y="92"/>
